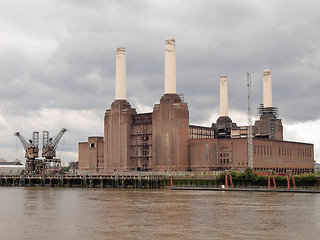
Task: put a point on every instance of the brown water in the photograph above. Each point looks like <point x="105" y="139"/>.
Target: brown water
<point x="55" y="213"/>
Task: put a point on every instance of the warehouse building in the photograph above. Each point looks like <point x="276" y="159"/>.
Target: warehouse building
<point x="163" y="140"/>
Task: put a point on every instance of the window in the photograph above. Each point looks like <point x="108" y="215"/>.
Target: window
<point x="270" y="150"/>
<point x="92" y="145"/>
<point x="258" y="149"/>
<point x="279" y="151"/>
<point x="290" y="152"/>
<point x="267" y="150"/>
<point x="285" y="151"/>
<point x="264" y="150"/>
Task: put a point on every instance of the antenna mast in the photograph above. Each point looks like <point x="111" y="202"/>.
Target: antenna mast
<point x="250" y="157"/>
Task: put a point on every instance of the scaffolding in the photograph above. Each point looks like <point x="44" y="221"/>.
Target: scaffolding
<point x="141" y="142"/>
<point x="272" y="113"/>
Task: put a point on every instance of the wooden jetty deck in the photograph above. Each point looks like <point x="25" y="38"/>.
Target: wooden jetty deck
<point x="90" y="181"/>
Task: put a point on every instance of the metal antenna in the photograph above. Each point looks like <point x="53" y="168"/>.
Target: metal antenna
<point x="250" y="157"/>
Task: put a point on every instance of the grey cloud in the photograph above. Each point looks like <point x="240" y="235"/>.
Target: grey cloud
<point x="62" y="54"/>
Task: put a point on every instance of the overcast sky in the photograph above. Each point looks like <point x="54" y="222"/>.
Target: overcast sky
<point x="57" y="63"/>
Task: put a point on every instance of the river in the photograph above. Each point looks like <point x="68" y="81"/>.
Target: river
<point x="61" y="213"/>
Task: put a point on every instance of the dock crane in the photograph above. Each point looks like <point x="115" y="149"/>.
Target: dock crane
<point x="31" y="146"/>
<point x="49" y="150"/>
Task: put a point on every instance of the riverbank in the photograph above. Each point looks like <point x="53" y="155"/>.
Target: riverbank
<point x="256" y="189"/>
<point x="154" y="180"/>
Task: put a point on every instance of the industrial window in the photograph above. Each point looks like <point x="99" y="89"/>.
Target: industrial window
<point x="227" y="160"/>
<point x="92" y="145"/>
<point x="290" y="152"/>
<point x="264" y="151"/>
<point x="267" y="150"/>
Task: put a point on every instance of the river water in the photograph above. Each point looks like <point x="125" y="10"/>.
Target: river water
<point x="61" y="213"/>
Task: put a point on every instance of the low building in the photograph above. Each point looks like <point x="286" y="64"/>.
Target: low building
<point x="11" y="168"/>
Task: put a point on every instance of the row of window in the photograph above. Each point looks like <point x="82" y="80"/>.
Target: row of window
<point x="224" y="154"/>
<point x="304" y="152"/>
<point x="263" y="150"/>
<point x="267" y="150"/>
<point x="224" y="161"/>
<point x="285" y="151"/>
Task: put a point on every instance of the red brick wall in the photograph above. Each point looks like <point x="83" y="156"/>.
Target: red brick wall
<point x="117" y="132"/>
<point x="170" y="134"/>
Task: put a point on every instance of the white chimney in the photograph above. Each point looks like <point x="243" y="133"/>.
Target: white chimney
<point x="170" y="85"/>
<point x="121" y="87"/>
<point x="223" y="96"/>
<point x="267" y="89"/>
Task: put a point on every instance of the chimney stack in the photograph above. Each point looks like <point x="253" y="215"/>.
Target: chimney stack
<point x="121" y="87"/>
<point x="267" y="89"/>
<point x="223" y="96"/>
<point x="170" y="86"/>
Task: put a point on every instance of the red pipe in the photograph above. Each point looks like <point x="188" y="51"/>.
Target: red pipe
<point x="294" y="183"/>
<point x="288" y="180"/>
<point x="226" y="181"/>
<point x="274" y="183"/>
<point x="231" y="180"/>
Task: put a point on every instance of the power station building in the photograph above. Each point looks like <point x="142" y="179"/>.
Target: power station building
<point x="163" y="140"/>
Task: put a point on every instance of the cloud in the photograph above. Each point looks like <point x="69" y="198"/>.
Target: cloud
<point x="58" y="59"/>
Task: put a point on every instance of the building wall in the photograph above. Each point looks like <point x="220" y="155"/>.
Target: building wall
<point x="203" y="154"/>
<point x="83" y="156"/>
<point x="261" y="128"/>
<point x="170" y="134"/>
<point x="117" y="134"/>
<point x="91" y="155"/>
<point x="283" y="155"/>
<point x="219" y="154"/>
